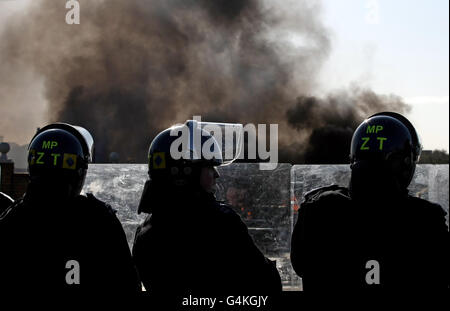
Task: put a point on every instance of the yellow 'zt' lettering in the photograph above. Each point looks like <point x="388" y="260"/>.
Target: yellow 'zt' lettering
<point x="39" y="159"/>
<point x="381" y="139"/>
<point x="366" y="140"/>
<point x="55" y="158"/>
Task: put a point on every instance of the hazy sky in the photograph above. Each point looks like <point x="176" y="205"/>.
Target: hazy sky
<point x="402" y="49"/>
<point x="391" y="46"/>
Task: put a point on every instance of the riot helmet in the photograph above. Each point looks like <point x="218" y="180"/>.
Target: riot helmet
<point x="384" y="152"/>
<point x="176" y="157"/>
<point x="58" y="156"/>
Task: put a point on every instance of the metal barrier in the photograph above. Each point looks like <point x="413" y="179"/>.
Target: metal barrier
<point x="267" y="201"/>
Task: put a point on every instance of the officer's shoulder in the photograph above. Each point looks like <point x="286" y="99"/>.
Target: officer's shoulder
<point x="227" y="212"/>
<point x="229" y="217"/>
<point x="425" y="206"/>
<point x="331" y="192"/>
<point x="95" y="205"/>
<point x="225" y="208"/>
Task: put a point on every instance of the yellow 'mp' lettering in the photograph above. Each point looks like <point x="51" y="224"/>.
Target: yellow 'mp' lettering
<point x="49" y="144"/>
<point x="366" y="140"/>
<point x="370" y="129"/>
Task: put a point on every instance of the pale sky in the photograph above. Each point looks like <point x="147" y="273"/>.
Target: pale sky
<point x="391" y="46"/>
<point x="402" y="49"/>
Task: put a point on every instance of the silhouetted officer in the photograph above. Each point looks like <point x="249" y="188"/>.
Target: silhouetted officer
<point x="5" y="202"/>
<point x="373" y="234"/>
<point x="190" y="242"/>
<point x="56" y="239"/>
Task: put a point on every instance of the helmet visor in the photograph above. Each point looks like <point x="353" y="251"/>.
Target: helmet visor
<point x="227" y="136"/>
<point x="88" y="140"/>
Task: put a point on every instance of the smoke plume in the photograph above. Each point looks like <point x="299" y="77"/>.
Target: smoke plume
<point x="135" y="67"/>
<point x="330" y="122"/>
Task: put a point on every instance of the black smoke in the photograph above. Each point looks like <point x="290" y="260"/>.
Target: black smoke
<point x="331" y="121"/>
<point x="135" y="67"/>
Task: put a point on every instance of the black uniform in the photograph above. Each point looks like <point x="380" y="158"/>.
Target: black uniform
<point x="191" y="242"/>
<point x="5" y="201"/>
<point x="335" y="236"/>
<point x="40" y="235"/>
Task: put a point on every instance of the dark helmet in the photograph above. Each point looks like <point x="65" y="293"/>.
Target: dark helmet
<point x="176" y="157"/>
<point x="384" y="141"/>
<point x="417" y="145"/>
<point x="60" y="153"/>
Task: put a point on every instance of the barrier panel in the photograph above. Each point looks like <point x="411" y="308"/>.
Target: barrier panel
<point x="267" y="201"/>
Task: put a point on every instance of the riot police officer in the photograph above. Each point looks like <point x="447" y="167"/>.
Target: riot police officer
<point x="373" y="234"/>
<point x="190" y="242"/>
<point x="5" y="202"/>
<point x="56" y="239"/>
